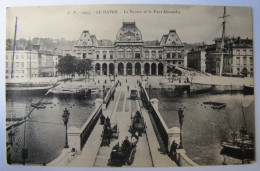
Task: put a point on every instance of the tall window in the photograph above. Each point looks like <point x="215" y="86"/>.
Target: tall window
<point x="238" y="61"/>
<point x="238" y="52"/>
<point x="129" y="53"/>
<point x="120" y="53"/>
<point x="244" y="60"/>
<point x="104" y="54"/>
<point x="153" y="54"/>
<point x="251" y="60"/>
<point x="97" y="53"/>
<point x="22" y="64"/>
<point x="146" y="54"/>
<point x="111" y="54"/>
<point x="168" y="55"/>
<point x="160" y="54"/>
<point x="173" y="55"/>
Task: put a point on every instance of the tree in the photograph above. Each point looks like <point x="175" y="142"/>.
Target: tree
<point x="67" y="65"/>
<point x="83" y="66"/>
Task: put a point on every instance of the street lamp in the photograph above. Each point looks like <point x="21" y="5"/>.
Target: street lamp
<point x="181" y="117"/>
<point x="65" y="117"/>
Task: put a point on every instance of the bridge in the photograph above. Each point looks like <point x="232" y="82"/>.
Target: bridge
<point x="153" y="147"/>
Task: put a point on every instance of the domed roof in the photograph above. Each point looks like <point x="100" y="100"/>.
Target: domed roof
<point x="129" y="32"/>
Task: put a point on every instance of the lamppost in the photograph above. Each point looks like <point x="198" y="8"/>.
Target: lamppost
<point x="65" y="117"/>
<point x="181" y="117"/>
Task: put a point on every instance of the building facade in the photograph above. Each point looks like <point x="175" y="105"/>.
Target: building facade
<point x="28" y="64"/>
<point x="25" y="65"/>
<point x="47" y="64"/>
<point x="237" y="58"/>
<point x="196" y="59"/>
<point x="129" y="54"/>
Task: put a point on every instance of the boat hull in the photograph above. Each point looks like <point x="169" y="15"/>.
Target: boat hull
<point x="237" y="151"/>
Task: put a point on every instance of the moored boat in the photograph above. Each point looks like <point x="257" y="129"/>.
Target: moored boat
<point x="38" y="105"/>
<point x="242" y="147"/>
<point x="248" y="89"/>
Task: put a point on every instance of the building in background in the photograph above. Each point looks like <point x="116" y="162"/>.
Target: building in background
<point x="24" y="66"/>
<point x="237" y="54"/>
<point x="196" y="59"/>
<point x="47" y="64"/>
<point x="129" y="54"/>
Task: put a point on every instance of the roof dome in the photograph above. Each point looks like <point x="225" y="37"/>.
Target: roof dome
<point x="129" y="32"/>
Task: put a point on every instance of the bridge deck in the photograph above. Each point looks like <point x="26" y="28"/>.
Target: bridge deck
<point x="119" y="110"/>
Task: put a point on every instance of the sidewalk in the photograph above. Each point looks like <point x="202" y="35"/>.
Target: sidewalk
<point x="90" y="150"/>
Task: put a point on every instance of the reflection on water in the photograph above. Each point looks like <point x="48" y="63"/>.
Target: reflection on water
<point x="205" y="128"/>
<point x="44" y="132"/>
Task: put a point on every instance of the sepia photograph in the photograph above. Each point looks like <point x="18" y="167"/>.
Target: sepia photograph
<point x="129" y="86"/>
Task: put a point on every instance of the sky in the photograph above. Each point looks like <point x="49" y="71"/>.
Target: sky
<point x="192" y="23"/>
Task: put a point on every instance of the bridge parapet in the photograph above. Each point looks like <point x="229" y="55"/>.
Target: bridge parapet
<point x="109" y="95"/>
<point x="167" y="135"/>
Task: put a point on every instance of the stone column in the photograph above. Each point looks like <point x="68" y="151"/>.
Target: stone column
<point x="164" y="70"/>
<point x="74" y="140"/>
<point x="116" y="68"/>
<point x="124" y="69"/>
<point x="133" y="68"/>
<point x="157" y="69"/>
<point x="173" y="135"/>
<point x="107" y="69"/>
<point x="142" y="69"/>
<point x="101" y="69"/>
<point x="150" y="68"/>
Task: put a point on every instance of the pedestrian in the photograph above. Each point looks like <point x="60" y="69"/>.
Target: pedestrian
<point x="128" y="88"/>
<point x="102" y="119"/>
<point x="126" y="80"/>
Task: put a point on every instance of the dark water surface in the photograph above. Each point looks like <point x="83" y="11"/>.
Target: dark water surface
<point x="205" y="128"/>
<point x="44" y="132"/>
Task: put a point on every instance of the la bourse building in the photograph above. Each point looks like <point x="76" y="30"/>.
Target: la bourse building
<point x="130" y="54"/>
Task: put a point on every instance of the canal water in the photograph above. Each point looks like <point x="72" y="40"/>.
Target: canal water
<point x="44" y="132"/>
<point x="205" y="128"/>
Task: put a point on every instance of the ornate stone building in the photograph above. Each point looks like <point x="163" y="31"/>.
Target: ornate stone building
<point x="129" y="54"/>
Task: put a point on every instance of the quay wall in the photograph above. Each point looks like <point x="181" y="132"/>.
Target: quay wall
<point x="78" y="137"/>
<point x="167" y="135"/>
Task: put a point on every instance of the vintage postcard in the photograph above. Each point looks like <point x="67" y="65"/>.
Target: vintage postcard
<point x="129" y="86"/>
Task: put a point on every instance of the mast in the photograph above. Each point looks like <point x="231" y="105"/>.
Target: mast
<point x="14" y="47"/>
<point x="30" y="58"/>
<point x="222" y="41"/>
<point x="243" y="115"/>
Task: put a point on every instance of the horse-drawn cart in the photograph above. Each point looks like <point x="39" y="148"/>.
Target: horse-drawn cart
<point x="138" y="124"/>
<point x="109" y="132"/>
<point x="122" y="155"/>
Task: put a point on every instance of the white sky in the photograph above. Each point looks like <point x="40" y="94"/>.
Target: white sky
<point x="193" y="23"/>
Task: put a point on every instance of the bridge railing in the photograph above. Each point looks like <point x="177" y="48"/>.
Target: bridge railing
<point x="78" y="137"/>
<point x="87" y="128"/>
<point x="167" y="135"/>
<point x="110" y="94"/>
<point x="159" y="121"/>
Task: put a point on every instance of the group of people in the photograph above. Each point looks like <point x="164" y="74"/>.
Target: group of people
<point x="106" y="129"/>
